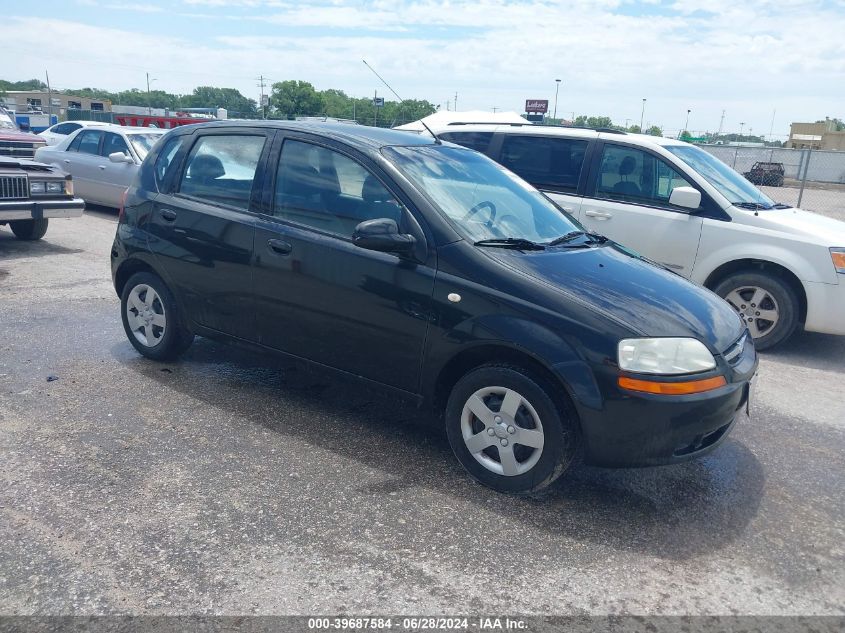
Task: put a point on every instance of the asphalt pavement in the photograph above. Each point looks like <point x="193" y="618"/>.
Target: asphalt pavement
<point x="232" y="483"/>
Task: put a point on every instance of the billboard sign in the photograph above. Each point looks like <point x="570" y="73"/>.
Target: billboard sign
<point x="378" y="102"/>
<point x="537" y="106"/>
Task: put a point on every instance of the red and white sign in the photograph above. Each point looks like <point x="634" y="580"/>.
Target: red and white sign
<point x="539" y="106"/>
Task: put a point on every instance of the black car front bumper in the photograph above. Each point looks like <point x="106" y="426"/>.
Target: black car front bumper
<point x="640" y="429"/>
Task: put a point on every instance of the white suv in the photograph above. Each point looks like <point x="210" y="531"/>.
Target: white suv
<point x="678" y="205"/>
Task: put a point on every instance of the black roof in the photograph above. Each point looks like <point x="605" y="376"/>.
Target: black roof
<point x="372" y="137"/>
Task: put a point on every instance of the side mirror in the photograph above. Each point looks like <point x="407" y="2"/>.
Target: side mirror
<point x="686" y="197"/>
<point x="120" y="157"/>
<point x="382" y="235"/>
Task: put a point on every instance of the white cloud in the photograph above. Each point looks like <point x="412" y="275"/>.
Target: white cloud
<point x="747" y="58"/>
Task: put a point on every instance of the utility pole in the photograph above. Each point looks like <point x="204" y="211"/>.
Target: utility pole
<point x="456" y="102"/>
<point x="149" y="97"/>
<point x="642" y="116"/>
<point x="721" y="124"/>
<point x="49" y="100"/>
<point x="494" y="109"/>
<point x="741" y="126"/>
<point x="772" y="126"/>
<point x="557" y="89"/>
<point x="263" y="107"/>
<point x="375" y="108"/>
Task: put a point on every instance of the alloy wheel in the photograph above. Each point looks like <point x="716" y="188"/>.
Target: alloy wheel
<point x="502" y="431"/>
<point x="146" y="316"/>
<point x="757" y="307"/>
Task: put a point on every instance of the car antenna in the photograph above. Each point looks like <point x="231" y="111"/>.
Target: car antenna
<point x="401" y="100"/>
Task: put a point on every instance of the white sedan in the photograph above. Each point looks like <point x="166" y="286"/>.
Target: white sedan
<point x="55" y="134"/>
<point x="102" y="161"/>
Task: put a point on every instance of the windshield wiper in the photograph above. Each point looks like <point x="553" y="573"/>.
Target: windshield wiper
<point x="512" y="242"/>
<point x="754" y="206"/>
<point x="594" y="238"/>
<point x="782" y="206"/>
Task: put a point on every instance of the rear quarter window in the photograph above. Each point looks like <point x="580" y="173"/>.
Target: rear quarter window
<point x="164" y="161"/>
<point x="479" y="141"/>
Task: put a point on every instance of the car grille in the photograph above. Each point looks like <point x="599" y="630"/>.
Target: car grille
<point x="18" y="149"/>
<point x="13" y="188"/>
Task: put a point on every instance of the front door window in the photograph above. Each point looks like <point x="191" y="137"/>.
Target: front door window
<point x="632" y="175"/>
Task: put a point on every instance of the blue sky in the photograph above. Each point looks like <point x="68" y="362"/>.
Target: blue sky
<point x="750" y="59"/>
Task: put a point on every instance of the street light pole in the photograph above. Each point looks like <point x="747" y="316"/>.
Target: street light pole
<point x="686" y="125"/>
<point x="557" y="90"/>
<point x="642" y="117"/>
<point x="149" y="97"/>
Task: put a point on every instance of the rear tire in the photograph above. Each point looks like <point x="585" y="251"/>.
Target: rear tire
<point x="508" y="431"/>
<point x="151" y="318"/>
<point x="29" y="229"/>
<point x="757" y="295"/>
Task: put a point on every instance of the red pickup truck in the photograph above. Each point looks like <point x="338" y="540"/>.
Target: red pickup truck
<point x="14" y="142"/>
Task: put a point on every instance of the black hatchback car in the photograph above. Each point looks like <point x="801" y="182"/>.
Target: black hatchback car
<point x="431" y="270"/>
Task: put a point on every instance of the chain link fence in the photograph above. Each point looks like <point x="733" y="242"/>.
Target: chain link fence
<point x="811" y="179"/>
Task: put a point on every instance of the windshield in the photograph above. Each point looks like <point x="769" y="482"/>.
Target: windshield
<point x="143" y="143"/>
<point x="728" y="182"/>
<point x="481" y="198"/>
<point x="6" y="123"/>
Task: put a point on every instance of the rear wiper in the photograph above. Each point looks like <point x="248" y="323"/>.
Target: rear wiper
<point x="512" y="242"/>
<point x="754" y="206"/>
<point x="594" y="238"/>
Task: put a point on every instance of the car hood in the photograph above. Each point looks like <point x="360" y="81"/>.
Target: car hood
<point x="27" y="137"/>
<point x="650" y="300"/>
<point x="818" y="228"/>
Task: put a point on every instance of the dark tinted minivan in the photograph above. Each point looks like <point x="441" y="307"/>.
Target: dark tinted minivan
<point x="431" y="270"/>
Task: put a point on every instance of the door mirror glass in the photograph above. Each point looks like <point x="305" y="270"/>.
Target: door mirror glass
<point x="120" y="157"/>
<point x="685" y="197"/>
<point x="382" y="235"/>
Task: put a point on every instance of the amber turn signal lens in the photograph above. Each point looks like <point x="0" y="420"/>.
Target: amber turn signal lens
<point x="838" y="260"/>
<point x="672" y="388"/>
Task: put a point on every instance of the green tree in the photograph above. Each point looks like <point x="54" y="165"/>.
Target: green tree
<point x="295" y="98"/>
<point x="29" y="84"/>
<point x="229" y="98"/>
<point x="655" y="130"/>
<point x="595" y="121"/>
<point x="635" y="129"/>
<point x="685" y="136"/>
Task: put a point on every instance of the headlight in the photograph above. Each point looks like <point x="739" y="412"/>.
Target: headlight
<point x="36" y="186"/>
<point x="664" y="356"/>
<point x="838" y="257"/>
<point x="56" y="187"/>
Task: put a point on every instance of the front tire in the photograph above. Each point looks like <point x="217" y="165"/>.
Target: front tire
<point x="509" y="431"/>
<point x="151" y="318"/>
<point x="767" y="304"/>
<point x="29" y="230"/>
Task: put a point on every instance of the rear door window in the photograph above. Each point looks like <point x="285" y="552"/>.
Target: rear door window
<point x="221" y="169"/>
<point x="546" y="162"/>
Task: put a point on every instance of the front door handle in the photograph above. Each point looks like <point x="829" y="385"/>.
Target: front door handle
<point x="66" y="161"/>
<point x="280" y="246"/>
<point x="168" y="214"/>
<point x="599" y="215"/>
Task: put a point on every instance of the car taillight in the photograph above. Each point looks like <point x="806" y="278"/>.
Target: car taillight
<point x="121" y="213"/>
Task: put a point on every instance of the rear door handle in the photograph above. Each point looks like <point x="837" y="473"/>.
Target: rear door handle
<point x="280" y="246"/>
<point x="168" y="214"/>
<point x="599" y="215"/>
<point x="67" y="162"/>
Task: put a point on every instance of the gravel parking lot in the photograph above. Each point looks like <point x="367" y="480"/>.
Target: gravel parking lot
<point x="230" y="483"/>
